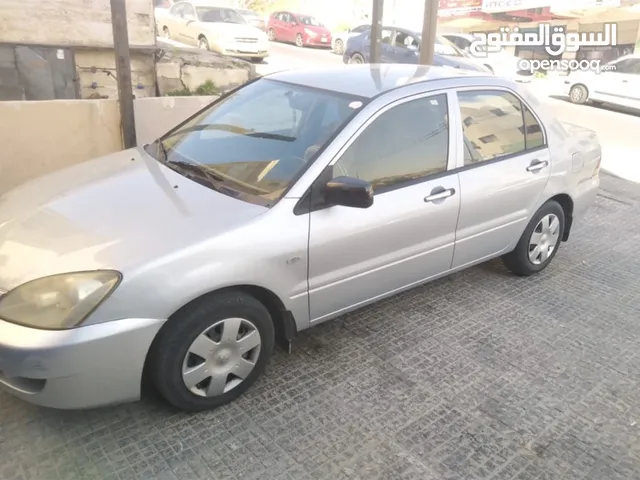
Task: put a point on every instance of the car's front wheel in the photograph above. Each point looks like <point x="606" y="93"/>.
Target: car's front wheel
<point x="539" y="242"/>
<point x="578" y="94"/>
<point x="203" y="43"/>
<point x="271" y="34"/>
<point x="299" y="40"/>
<point x="212" y="351"/>
<point x="357" y="59"/>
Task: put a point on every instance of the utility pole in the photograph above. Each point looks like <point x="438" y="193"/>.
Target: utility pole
<point x="429" y="25"/>
<point x="123" y="71"/>
<point x="376" y="31"/>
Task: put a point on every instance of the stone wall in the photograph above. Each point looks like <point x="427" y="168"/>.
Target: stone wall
<point x="182" y="68"/>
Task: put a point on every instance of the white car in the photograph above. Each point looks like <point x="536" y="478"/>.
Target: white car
<point x="339" y="40"/>
<point x="211" y="27"/>
<point x="618" y="83"/>
<point x="500" y="63"/>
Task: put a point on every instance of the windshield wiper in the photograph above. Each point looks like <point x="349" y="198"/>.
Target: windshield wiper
<point x="196" y="170"/>
<point x="233" y="129"/>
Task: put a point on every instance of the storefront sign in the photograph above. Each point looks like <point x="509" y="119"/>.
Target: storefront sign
<point x="447" y="8"/>
<point x="497" y="6"/>
<point x="568" y="5"/>
<point x="554" y="39"/>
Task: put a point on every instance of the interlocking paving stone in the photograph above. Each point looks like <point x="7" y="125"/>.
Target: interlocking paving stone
<point x="481" y="375"/>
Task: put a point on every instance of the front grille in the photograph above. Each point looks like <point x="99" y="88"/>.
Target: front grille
<point x="246" y="40"/>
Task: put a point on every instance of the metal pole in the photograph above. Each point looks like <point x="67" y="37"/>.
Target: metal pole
<point x="429" y="25"/>
<point x="123" y="72"/>
<point x="376" y="31"/>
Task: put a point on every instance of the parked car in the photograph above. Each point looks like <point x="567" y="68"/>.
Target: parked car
<point x="219" y="29"/>
<point x="617" y="85"/>
<point x="340" y="38"/>
<point x="253" y="18"/>
<point x="294" y="199"/>
<point x="501" y="63"/>
<point x="161" y="9"/>
<point x="401" y="45"/>
<point x="303" y="30"/>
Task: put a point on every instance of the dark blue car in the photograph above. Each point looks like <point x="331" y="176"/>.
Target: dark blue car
<point x="400" y="45"/>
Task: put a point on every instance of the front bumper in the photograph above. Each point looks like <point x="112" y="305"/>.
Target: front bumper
<point x="85" y="367"/>
<point x="317" y="42"/>
<point x="240" y="53"/>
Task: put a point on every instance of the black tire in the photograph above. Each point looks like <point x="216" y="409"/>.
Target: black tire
<point x="357" y="59"/>
<point x="578" y="94"/>
<point x="271" y="33"/>
<point x="203" y="44"/>
<point x="176" y="336"/>
<point x="299" y="40"/>
<point x="338" y="47"/>
<point x="518" y="260"/>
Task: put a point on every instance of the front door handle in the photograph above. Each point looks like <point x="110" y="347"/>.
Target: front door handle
<point x="440" y="193"/>
<point x="537" y="165"/>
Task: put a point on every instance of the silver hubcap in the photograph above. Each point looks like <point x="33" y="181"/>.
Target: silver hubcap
<point x="221" y="357"/>
<point x="576" y="94"/>
<point x="299" y="40"/>
<point x="544" y="239"/>
<point x="339" y="46"/>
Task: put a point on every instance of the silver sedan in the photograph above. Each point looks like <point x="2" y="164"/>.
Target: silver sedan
<point x="299" y="197"/>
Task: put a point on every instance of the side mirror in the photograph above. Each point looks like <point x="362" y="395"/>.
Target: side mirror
<point x="348" y="192"/>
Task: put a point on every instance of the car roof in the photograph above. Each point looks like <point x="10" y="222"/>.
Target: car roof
<point x="369" y="80"/>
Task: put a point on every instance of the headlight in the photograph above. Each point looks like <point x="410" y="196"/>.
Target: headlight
<point x="311" y="33"/>
<point x="58" y="302"/>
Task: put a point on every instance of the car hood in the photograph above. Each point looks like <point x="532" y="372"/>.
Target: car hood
<point x="120" y="211"/>
<point x="233" y="29"/>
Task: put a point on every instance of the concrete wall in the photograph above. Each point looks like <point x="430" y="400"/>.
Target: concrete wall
<point x="41" y="137"/>
<point x="73" y="22"/>
<point x="156" y="116"/>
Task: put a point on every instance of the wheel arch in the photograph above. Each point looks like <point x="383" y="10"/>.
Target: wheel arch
<point x="566" y="202"/>
<point x="283" y="320"/>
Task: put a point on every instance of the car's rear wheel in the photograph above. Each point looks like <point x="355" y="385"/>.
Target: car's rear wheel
<point x="540" y="241"/>
<point x="299" y="40"/>
<point x="578" y="94"/>
<point x="166" y="33"/>
<point x="203" y="43"/>
<point x="357" y="59"/>
<point x="271" y="33"/>
<point x="339" y="47"/>
<point x="212" y="351"/>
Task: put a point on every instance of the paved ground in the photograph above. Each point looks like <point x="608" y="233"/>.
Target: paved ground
<point x="481" y="375"/>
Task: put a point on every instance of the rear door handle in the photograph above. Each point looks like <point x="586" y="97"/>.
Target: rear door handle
<point x="440" y="193"/>
<point x="537" y="165"/>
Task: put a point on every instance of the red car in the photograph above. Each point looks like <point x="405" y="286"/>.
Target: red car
<point x="303" y="30"/>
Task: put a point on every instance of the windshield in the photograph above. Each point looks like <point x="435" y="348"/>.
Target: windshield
<point x="309" y="21"/>
<point x="213" y="14"/>
<point x="445" y="47"/>
<point x="254" y="143"/>
<point x="249" y="13"/>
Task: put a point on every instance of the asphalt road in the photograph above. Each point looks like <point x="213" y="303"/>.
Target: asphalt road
<point x="284" y="56"/>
